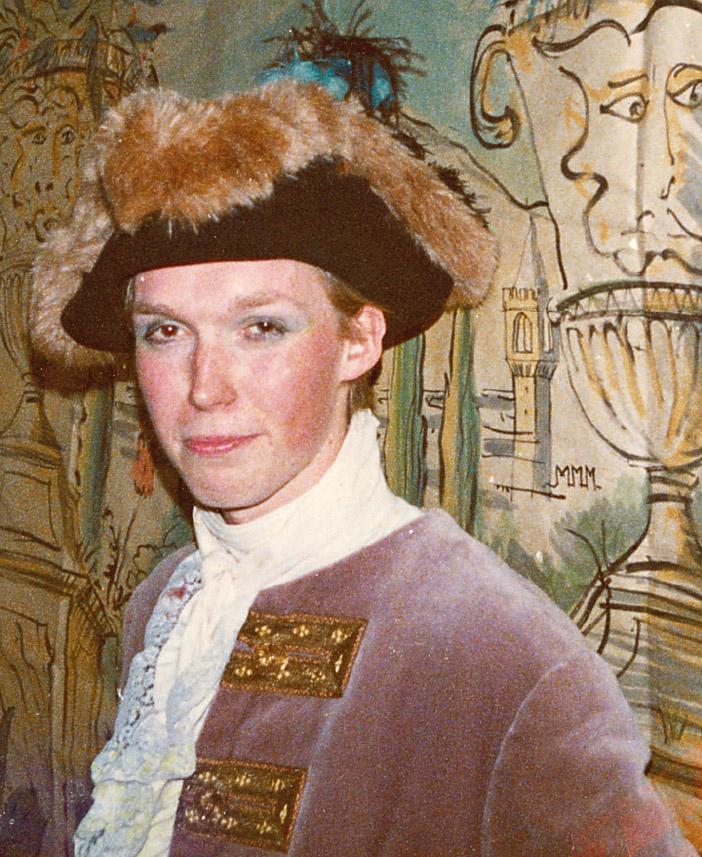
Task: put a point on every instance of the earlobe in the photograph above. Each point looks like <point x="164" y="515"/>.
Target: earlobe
<point x="364" y="347"/>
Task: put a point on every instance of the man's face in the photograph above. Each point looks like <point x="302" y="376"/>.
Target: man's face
<point x="244" y="372"/>
<point x="642" y="149"/>
<point x="610" y="107"/>
<point x="42" y="133"/>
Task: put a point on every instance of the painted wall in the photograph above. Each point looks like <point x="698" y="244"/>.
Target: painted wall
<point x="560" y="422"/>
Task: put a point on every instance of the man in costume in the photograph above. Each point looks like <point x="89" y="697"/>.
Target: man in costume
<point x="328" y="671"/>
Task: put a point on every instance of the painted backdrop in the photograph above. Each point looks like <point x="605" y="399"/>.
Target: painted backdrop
<point x="561" y="422"/>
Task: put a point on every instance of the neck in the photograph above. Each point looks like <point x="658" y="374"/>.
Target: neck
<point x="348" y="507"/>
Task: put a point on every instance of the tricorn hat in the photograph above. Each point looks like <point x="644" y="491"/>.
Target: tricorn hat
<point x="282" y="171"/>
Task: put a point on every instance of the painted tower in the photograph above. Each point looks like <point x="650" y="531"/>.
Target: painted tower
<point x="532" y="356"/>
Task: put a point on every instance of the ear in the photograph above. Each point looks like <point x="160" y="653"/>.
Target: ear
<point x="364" y="346"/>
<point x="494" y="110"/>
<point x="500" y="120"/>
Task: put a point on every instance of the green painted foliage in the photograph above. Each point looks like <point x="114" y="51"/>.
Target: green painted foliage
<point x="460" y="431"/>
<point x="405" y="438"/>
<point x="583" y="541"/>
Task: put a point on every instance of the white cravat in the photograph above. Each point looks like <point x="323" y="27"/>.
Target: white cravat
<point x="139" y="774"/>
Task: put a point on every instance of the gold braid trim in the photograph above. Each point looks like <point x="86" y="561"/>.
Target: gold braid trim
<point x="250" y="803"/>
<point x="295" y="654"/>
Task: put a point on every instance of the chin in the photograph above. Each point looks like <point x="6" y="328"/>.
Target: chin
<point x="220" y="500"/>
<point x="211" y="495"/>
<point x="239" y="489"/>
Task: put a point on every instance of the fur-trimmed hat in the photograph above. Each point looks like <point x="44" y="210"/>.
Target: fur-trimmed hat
<point x="283" y="171"/>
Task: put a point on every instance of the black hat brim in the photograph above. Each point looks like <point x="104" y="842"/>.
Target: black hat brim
<point x="318" y="216"/>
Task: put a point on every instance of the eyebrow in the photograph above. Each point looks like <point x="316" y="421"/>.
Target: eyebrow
<point x="617" y="84"/>
<point x="557" y="49"/>
<point x="251" y="302"/>
<point x="263" y="299"/>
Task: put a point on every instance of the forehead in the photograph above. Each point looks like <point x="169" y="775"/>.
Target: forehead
<point x="616" y="48"/>
<point x="208" y="282"/>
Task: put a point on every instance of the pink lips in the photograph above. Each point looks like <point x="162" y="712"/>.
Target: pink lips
<point x="217" y="445"/>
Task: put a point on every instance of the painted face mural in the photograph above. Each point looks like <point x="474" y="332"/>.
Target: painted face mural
<point x="42" y="133"/>
<point x="609" y="107"/>
<point x="641" y="147"/>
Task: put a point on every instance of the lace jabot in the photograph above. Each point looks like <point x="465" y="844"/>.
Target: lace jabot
<point x="195" y="623"/>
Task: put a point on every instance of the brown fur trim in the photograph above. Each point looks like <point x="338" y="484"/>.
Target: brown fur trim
<point x="192" y="161"/>
<point x="58" y="271"/>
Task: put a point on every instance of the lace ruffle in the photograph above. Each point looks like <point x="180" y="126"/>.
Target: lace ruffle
<point x="128" y="771"/>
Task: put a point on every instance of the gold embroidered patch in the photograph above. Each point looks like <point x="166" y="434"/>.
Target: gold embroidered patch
<point x="297" y="654"/>
<point x="244" y="802"/>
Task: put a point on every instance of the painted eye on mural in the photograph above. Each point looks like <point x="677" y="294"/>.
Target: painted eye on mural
<point x="690" y="95"/>
<point x="631" y="108"/>
<point x="38" y="138"/>
<point x="67" y="135"/>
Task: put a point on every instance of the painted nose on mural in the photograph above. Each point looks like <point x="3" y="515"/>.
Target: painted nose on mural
<point x="656" y="171"/>
<point x="212" y="377"/>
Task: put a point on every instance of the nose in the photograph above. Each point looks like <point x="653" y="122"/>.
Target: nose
<point x="43" y="187"/>
<point x="211" y="377"/>
<point x="658" y="167"/>
<point x="666" y="186"/>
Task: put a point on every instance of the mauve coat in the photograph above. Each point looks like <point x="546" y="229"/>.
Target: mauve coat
<point x="417" y="698"/>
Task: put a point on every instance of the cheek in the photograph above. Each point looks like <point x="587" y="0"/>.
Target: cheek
<point x="158" y="387"/>
<point x="304" y="393"/>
